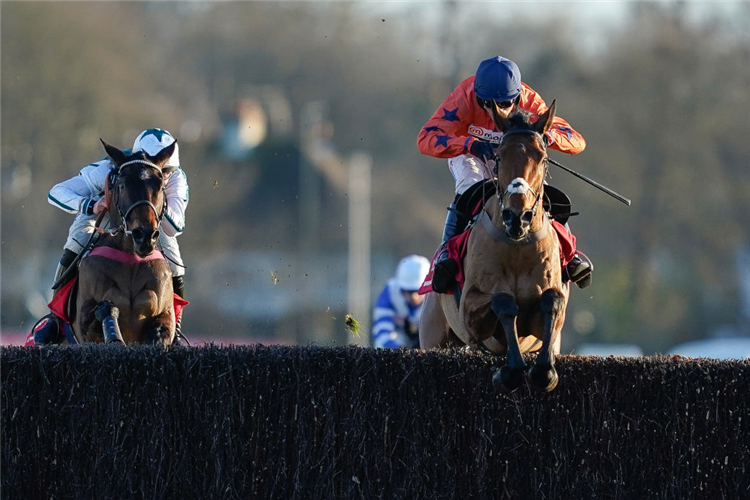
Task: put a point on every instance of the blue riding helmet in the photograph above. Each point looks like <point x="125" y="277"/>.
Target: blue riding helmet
<point x="497" y="79"/>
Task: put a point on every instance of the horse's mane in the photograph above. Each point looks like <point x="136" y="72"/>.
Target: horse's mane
<point x="519" y="120"/>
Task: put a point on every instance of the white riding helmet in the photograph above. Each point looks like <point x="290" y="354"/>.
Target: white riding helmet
<point x="411" y="272"/>
<point x="153" y="140"/>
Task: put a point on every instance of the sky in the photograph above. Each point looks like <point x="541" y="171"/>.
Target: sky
<point x="592" y="19"/>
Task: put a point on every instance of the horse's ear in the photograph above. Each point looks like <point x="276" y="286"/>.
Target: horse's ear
<point x="502" y="124"/>
<point x="544" y="122"/>
<point x="117" y="156"/>
<point x="164" y="155"/>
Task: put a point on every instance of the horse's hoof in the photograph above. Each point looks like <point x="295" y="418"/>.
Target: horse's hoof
<point x="113" y="340"/>
<point x="507" y="380"/>
<point x="543" y="379"/>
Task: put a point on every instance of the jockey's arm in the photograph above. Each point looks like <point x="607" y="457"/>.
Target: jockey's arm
<point x="177" y="193"/>
<point x="445" y="135"/>
<point x="79" y="194"/>
<point x="564" y="138"/>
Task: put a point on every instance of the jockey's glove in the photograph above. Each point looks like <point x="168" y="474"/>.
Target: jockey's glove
<point x="482" y="150"/>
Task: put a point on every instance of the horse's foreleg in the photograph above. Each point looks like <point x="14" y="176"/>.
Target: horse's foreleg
<point x="107" y="314"/>
<point x="510" y="376"/>
<point x="160" y="329"/>
<point x="543" y="375"/>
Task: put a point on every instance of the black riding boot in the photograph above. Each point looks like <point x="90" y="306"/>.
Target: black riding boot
<point x="178" y="283"/>
<point x="445" y="267"/>
<point x="579" y="270"/>
<point x="48" y="330"/>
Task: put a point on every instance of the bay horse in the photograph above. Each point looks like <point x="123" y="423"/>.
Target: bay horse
<point x="125" y="292"/>
<point x="513" y="295"/>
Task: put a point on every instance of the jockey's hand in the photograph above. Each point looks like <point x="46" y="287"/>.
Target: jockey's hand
<point x="482" y="150"/>
<point x="101" y="205"/>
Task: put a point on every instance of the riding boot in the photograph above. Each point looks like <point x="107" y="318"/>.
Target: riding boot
<point x="579" y="270"/>
<point x="178" y="283"/>
<point x="48" y="330"/>
<point x="445" y="267"/>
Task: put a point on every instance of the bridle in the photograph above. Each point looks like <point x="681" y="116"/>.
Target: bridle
<point x="114" y="179"/>
<point x="502" y="193"/>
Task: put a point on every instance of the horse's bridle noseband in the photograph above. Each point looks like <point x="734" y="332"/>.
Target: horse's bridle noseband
<point x="124" y="218"/>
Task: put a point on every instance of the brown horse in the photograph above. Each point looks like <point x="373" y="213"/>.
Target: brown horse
<point x="125" y="290"/>
<point x="513" y="295"/>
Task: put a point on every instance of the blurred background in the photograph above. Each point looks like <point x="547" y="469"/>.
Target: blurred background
<point x="297" y="124"/>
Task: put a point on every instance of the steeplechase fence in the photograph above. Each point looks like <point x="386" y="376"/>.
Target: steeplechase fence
<point x="349" y="422"/>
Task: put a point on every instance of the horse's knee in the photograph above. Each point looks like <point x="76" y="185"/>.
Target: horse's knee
<point x="553" y="301"/>
<point x="504" y="305"/>
<point x="105" y="309"/>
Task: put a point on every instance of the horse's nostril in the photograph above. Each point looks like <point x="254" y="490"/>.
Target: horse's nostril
<point x="527" y="217"/>
<point x="507" y="216"/>
<point x="155" y="235"/>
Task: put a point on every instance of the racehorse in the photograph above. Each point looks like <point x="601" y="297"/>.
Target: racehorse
<point x="125" y="289"/>
<point x="513" y="294"/>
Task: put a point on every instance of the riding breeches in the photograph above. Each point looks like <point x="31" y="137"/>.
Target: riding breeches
<point x="467" y="170"/>
<point x="83" y="227"/>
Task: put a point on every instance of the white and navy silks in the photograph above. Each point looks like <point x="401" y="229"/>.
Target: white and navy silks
<point x="395" y="321"/>
<point x="79" y="194"/>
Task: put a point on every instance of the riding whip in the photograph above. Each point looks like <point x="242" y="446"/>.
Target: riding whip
<point x="610" y="192"/>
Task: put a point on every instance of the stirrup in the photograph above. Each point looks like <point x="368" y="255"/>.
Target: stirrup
<point x="180" y="339"/>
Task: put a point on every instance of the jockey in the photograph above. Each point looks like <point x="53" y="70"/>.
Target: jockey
<point x="463" y="131"/>
<point x="83" y="195"/>
<point x="399" y="306"/>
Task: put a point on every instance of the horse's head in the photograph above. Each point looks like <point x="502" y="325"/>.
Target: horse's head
<point x="137" y="194"/>
<point x="522" y="167"/>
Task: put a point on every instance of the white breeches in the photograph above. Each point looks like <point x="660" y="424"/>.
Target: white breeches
<point x="467" y="170"/>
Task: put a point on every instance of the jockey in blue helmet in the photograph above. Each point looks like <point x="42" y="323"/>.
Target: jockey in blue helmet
<point x="462" y="130"/>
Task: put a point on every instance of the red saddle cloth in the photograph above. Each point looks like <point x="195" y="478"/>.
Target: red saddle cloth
<point x="59" y="306"/>
<point x="457" y="251"/>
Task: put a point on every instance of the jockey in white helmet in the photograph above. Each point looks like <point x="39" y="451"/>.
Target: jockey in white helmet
<point x="399" y="306"/>
<point x="83" y="195"/>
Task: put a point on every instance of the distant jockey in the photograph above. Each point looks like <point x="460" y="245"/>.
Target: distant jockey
<point x="463" y="131"/>
<point x="398" y="308"/>
<point x="83" y="195"/>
